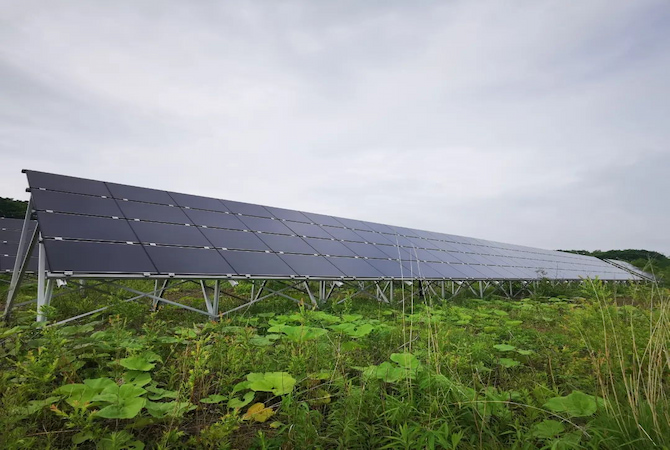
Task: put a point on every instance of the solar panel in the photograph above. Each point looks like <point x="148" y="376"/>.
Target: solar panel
<point x="97" y="257"/>
<point x="197" y="202"/>
<point x="56" y="225"/>
<point x="93" y="227"/>
<point x="308" y="230"/>
<point x="287" y="214"/>
<point x="311" y="266"/>
<point x="75" y="204"/>
<point x="169" y="234"/>
<point x="234" y="240"/>
<point x="286" y="244"/>
<point x="123" y="192"/>
<point x="214" y="219"/>
<point x="155" y="213"/>
<point x="10" y="235"/>
<point x="188" y="261"/>
<point x="329" y="247"/>
<point x="631" y="268"/>
<point x="258" y="264"/>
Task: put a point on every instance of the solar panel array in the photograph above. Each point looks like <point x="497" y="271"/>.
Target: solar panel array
<point x="10" y="234"/>
<point x="632" y="269"/>
<point x="93" y="227"/>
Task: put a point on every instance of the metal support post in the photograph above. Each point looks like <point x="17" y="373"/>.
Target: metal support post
<point x="44" y="287"/>
<point x="159" y="293"/>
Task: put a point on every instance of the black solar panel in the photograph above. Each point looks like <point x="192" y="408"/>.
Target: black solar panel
<point x="189" y="261"/>
<point x="258" y="264"/>
<point x="55" y="225"/>
<point x="194" y="201"/>
<point x="169" y="234"/>
<point x="234" y="240"/>
<point x="10" y="235"/>
<point x="94" y="257"/>
<point x="92" y="227"/>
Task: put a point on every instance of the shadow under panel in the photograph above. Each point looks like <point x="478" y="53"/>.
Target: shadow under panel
<point x="97" y="257"/>
<point x="169" y="234"/>
<point x="311" y="266"/>
<point x="63" y="183"/>
<point x="234" y="240"/>
<point x="75" y="203"/>
<point x="258" y="264"/>
<point x="139" y="194"/>
<point x="66" y="226"/>
<point x="188" y="261"/>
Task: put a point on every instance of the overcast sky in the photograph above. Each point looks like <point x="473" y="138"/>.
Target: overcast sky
<point x="542" y="123"/>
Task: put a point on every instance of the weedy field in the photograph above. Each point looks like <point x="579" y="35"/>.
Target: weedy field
<point x="563" y="369"/>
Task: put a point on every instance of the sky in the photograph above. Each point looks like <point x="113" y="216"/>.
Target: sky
<point x="540" y="123"/>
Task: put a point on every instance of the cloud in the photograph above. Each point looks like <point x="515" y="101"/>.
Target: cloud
<point x="517" y="122"/>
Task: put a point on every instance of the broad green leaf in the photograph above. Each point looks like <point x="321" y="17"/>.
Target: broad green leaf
<point x="524" y="352"/>
<point x="159" y="394"/>
<point x="167" y="409"/>
<point x="548" y="429"/>
<point x="99" y="384"/>
<point x="151" y="356"/>
<point x="508" y="362"/>
<point x="504" y="347"/>
<point x="298" y="333"/>
<point x="77" y="395"/>
<point x="385" y="371"/>
<point x="127" y="409"/>
<point x="83" y="437"/>
<point x="351" y="317"/>
<point x="214" y="398"/>
<point x="242" y="385"/>
<point x="137" y="363"/>
<point x="279" y="383"/>
<point x="577" y="404"/>
<point x="137" y="378"/>
<point x="406" y="360"/>
<point x="120" y="440"/>
<point x="260" y="341"/>
<point x="353" y="330"/>
<point x="236" y="403"/>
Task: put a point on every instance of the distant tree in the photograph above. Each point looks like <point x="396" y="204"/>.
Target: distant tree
<point x="15" y="209"/>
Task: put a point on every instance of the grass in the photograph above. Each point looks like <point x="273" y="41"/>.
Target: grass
<point x="563" y="369"/>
